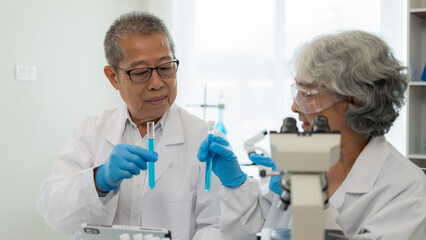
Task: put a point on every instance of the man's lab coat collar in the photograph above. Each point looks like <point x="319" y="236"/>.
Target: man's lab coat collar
<point x="367" y="167"/>
<point x="171" y="119"/>
<point x="160" y="123"/>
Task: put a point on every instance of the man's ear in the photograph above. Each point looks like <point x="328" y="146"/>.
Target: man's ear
<point x="111" y="75"/>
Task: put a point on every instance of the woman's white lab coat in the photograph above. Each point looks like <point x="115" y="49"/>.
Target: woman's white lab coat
<point x="68" y="198"/>
<point x="384" y="195"/>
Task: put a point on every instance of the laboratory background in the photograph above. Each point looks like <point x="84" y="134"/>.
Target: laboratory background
<point x="236" y="69"/>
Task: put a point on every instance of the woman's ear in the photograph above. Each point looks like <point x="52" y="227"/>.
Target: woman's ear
<point x="354" y="101"/>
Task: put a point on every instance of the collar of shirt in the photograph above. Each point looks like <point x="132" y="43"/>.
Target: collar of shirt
<point x="170" y="123"/>
<point x="159" y="126"/>
<point x="364" y="172"/>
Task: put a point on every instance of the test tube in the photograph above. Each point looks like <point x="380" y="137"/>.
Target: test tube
<point x="151" y="166"/>
<point x="209" y="161"/>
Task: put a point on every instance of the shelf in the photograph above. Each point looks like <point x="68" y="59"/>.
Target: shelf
<point x="417" y="156"/>
<point x="418" y="159"/>
<point x="419" y="12"/>
<point x="417" y="83"/>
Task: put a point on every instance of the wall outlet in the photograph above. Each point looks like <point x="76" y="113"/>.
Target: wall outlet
<point x="25" y="73"/>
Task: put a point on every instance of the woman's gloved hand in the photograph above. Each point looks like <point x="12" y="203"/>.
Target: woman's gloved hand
<point x="274" y="183"/>
<point x="124" y="162"/>
<point x="224" y="162"/>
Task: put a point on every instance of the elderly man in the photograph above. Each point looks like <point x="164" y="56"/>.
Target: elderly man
<point x="100" y="177"/>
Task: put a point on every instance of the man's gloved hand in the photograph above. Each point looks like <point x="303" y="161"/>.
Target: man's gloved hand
<point x="124" y="162"/>
<point x="274" y="183"/>
<point x="225" y="163"/>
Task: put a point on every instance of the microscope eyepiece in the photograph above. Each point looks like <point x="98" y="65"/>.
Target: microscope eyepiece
<point x="289" y="125"/>
<point x="320" y="124"/>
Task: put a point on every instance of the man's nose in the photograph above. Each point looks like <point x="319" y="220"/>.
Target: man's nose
<point x="155" y="81"/>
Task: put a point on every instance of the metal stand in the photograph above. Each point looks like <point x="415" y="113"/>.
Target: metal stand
<point x="204" y="105"/>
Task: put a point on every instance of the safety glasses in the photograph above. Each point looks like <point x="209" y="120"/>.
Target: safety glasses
<point x="313" y="100"/>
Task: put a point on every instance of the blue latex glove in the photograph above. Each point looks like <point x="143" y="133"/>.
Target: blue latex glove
<point x="224" y="162"/>
<point x="124" y="162"/>
<point x="274" y="183"/>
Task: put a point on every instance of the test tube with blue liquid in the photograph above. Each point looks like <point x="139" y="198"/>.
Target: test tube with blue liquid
<point x="209" y="161"/>
<point x="151" y="166"/>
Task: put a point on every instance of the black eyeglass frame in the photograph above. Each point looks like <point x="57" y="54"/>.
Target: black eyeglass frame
<point x="128" y="72"/>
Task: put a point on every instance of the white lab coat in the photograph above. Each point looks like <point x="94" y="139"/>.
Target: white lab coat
<point x="383" y="195"/>
<point x="68" y="198"/>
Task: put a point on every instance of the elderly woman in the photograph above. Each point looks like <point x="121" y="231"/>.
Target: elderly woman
<point x="353" y="79"/>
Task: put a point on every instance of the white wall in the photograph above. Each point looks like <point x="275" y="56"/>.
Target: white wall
<point x="64" y="40"/>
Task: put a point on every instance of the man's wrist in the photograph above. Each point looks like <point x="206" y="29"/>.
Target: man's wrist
<point x="98" y="189"/>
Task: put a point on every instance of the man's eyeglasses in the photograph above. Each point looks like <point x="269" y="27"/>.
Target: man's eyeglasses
<point x="142" y="75"/>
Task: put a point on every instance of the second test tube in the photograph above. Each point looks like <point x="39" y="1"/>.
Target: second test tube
<point x="209" y="161"/>
<point x="151" y="166"/>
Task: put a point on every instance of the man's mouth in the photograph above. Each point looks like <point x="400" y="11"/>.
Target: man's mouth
<point x="156" y="100"/>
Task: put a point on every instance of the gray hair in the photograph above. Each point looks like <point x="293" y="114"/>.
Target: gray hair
<point x="132" y="24"/>
<point x="361" y="65"/>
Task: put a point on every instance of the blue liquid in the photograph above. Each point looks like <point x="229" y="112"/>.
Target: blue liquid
<point x="151" y="166"/>
<point x="220" y="126"/>
<point x="208" y="167"/>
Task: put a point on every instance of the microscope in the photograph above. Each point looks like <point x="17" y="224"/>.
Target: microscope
<point x="250" y="144"/>
<point x="302" y="159"/>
